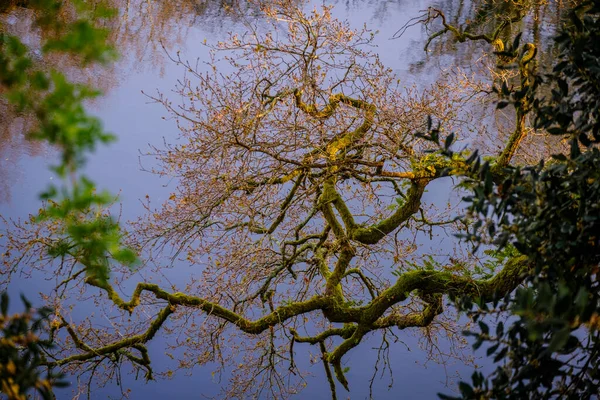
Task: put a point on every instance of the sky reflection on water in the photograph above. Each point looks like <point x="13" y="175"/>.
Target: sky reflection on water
<point x="137" y="122"/>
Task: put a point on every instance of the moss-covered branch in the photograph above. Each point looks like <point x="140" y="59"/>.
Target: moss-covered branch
<point x="336" y="148"/>
<point x="441" y="282"/>
<point x="345" y="332"/>
<point x="335" y="357"/>
<point x="376" y="232"/>
<point x="431" y="286"/>
<point x="461" y="34"/>
<point x="278" y="316"/>
<point x="415" y="319"/>
<point x="331" y="195"/>
<point x="114" y="348"/>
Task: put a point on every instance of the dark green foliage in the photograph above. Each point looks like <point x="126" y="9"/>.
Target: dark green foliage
<point x="22" y="352"/>
<point x="550" y="212"/>
<point x="574" y="105"/>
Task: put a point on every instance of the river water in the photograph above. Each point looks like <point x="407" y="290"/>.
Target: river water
<point x="145" y="33"/>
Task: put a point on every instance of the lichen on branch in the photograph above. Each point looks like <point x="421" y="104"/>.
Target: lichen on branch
<point x="301" y="182"/>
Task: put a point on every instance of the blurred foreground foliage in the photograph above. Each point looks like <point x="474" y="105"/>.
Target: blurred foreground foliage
<point x="22" y="351"/>
<point x="57" y="105"/>
<point x="62" y="121"/>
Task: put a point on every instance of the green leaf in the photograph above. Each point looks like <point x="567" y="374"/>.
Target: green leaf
<point x="492" y="349"/>
<point x="559" y="339"/>
<point x="466" y="390"/>
<point x="449" y="141"/>
<point x="4" y="303"/>
<point x="446" y="397"/>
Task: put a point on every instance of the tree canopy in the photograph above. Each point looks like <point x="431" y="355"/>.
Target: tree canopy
<point x="301" y="171"/>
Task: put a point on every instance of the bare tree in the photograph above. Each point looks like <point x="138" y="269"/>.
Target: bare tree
<point x="300" y="181"/>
